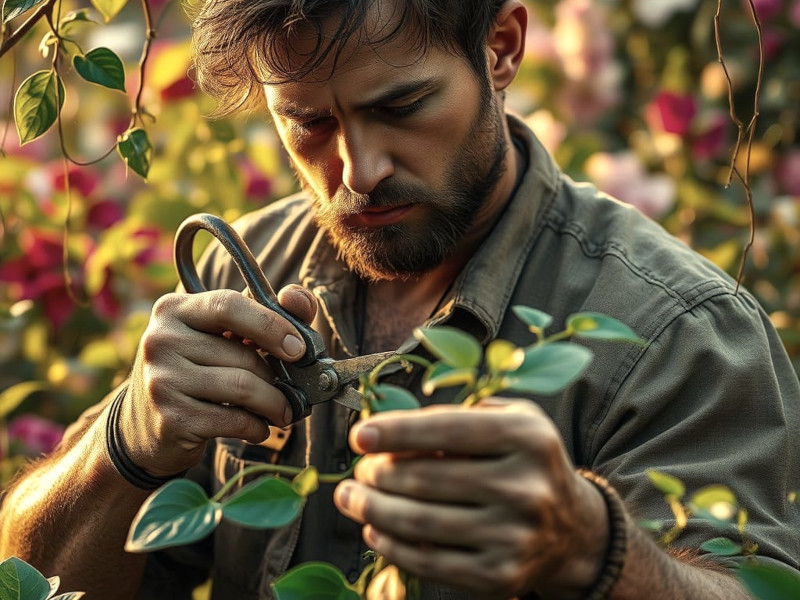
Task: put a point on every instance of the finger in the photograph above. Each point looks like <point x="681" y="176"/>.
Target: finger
<point x="217" y="351"/>
<point x="298" y="301"/>
<point x="225" y="310"/>
<point x="477" y="431"/>
<point x="210" y="420"/>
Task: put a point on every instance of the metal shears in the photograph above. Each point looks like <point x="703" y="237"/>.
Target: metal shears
<point x="314" y="378"/>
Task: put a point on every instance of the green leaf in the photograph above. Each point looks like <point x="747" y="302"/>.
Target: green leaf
<point x="651" y="525"/>
<point x="721" y="546"/>
<point x="35" y="102"/>
<point x="502" y="355"/>
<point x="135" y="149"/>
<point x="320" y="581"/>
<point x="20" y="581"/>
<point x="550" y="368"/>
<point x="601" y="327"/>
<point x="391" y="397"/>
<point x="75" y="16"/>
<point x="265" y="503"/>
<point x="456" y="348"/>
<point x="14" y="8"/>
<point x="768" y="582"/>
<point x="536" y="320"/>
<point x="715" y="502"/>
<point x="440" y="375"/>
<point x="306" y="482"/>
<point x="109" y="8"/>
<point x="667" y="484"/>
<point x="11" y="398"/>
<point x="178" y="513"/>
<point x="101" y="66"/>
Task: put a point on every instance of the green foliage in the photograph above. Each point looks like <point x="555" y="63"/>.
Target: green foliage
<point x="549" y="369"/>
<point x="103" y="67"/>
<point x="11" y="398"/>
<point x="264" y="504"/>
<point x="317" y="580"/>
<point x="667" y="483"/>
<point x="37" y="104"/>
<point x="769" y="582"/>
<point x="109" y="8"/>
<point x="20" y="581"/>
<point x="13" y="8"/>
<point x="453" y="347"/>
<point x="134" y="147"/>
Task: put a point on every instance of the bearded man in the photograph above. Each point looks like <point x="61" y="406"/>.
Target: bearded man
<point x="423" y="202"/>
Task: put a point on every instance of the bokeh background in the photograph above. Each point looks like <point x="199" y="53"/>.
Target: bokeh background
<point x="628" y="94"/>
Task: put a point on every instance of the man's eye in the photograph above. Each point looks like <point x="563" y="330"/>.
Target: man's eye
<point x="399" y="112"/>
<point x="312" y="124"/>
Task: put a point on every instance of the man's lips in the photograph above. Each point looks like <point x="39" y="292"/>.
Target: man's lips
<point x="379" y="216"/>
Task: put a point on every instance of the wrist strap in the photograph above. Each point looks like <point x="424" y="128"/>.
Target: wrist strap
<point x="132" y="472"/>
<point x="617" y="537"/>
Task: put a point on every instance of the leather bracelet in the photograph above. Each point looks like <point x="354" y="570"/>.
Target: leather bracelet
<point x="133" y="473"/>
<point x="617" y="537"/>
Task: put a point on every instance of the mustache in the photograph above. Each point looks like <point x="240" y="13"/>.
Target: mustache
<point x="386" y="194"/>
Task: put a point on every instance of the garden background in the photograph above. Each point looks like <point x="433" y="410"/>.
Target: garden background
<point x="628" y="94"/>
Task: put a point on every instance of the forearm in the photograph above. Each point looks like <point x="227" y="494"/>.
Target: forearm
<point x="69" y="516"/>
<point x="648" y="567"/>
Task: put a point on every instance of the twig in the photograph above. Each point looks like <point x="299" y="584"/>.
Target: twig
<point x="23" y="29"/>
<point x="150" y="33"/>
<point x="743" y="132"/>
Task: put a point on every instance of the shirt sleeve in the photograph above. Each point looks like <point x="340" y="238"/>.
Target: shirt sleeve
<point x="713" y="400"/>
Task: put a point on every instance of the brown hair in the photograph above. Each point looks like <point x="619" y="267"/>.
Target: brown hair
<point x="238" y="42"/>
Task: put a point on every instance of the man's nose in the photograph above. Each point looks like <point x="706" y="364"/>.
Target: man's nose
<point x="365" y="161"/>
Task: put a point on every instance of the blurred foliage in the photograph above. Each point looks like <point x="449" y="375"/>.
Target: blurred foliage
<point x="628" y="94"/>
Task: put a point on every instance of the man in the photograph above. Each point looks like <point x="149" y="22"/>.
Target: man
<point x="424" y="202"/>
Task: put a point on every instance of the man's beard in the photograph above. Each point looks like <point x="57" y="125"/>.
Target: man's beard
<point x="407" y="250"/>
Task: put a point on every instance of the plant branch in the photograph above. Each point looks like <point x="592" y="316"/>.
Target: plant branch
<point x="150" y="34"/>
<point x="277" y="470"/>
<point x="26" y="26"/>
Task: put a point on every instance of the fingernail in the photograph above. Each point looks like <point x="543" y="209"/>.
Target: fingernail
<point x="343" y="495"/>
<point x="292" y="345"/>
<point x="367" y="438"/>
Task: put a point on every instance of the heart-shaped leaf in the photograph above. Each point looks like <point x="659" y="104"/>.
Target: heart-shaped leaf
<point x="135" y="149"/>
<point x="36" y="104"/>
<point x="101" y="66"/>
<point x="109" y="8"/>
<point x="11" y="398"/>
<point x="536" y="320"/>
<point x="306" y="482"/>
<point x="177" y="514"/>
<point x="14" y="8"/>
<point x="20" y="581"/>
<point x="550" y="368"/>
<point x="388" y="397"/>
<point x="320" y="581"/>
<point x="667" y="484"/>
<point x="721" y="546"/>
<point x="456" y="348"/>
<point x="265" y="503"/>
<point x="502" y="355"/>
<point x="769" y="582"/>
<point x="601" y="327"/>
<point x="441" y="375"/>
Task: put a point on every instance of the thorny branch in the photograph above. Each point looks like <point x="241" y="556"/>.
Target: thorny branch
<point x="745" y="135"/>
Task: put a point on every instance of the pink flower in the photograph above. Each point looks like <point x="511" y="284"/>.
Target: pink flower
<point x="80" y="178"/>
<point x="178" y="89"/>
<point x="788" y="172"/>
<point x="711" y="138"/>
<point x="671" y="113"/>
<point x="35" y="434"/>
<point x="103" y="214"/>
<point x="794" y="13"/>
<point x="257" y="186"/>
<point x="766" y="9"/>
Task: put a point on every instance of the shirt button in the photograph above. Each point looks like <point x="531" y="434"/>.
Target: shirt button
<point x="341" y="467"/>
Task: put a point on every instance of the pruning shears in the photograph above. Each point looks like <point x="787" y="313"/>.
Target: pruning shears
<point x="314" y="378"/>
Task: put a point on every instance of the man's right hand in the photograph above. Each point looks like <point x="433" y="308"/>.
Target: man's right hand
<point x="194" y="379"/>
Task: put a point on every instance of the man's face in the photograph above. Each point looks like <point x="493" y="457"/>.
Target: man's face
<point x="401" y="155"/>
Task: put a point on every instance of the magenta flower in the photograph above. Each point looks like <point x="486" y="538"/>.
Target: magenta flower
<point x="35" y="434"/>
<point x="788" y="173"/>
<point x="671" y="113"/>
<point x="103" y="214"/>
<point x="767" y="9"/>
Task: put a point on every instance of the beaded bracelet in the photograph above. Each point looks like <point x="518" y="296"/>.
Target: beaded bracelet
<point x="132" y="472"/>
<point x="617" y="537"/>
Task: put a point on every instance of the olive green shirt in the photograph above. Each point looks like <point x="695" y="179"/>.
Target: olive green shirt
<point x="712" y="397"/>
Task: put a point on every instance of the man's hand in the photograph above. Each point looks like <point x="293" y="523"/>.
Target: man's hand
<point x="483" y="498"/>
<point x="194" y="379"/>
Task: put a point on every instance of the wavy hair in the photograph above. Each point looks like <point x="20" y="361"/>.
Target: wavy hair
<point x="237" y="43"/>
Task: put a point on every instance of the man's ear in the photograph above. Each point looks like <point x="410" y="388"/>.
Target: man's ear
<point x="505" y="46"/>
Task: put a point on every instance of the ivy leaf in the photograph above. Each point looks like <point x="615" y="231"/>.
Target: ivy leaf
<point x="14" y="8"/>
<point x="135" y="149"/>
<point x="35" y="102"/>
<point x="75" y="16"/>
<point x="178" y="513"/>
<point x="536" y="320"/>
<point x="265" y="503"/>
<point x="550" y="368"/>
<point x="20" y="580"/>
<point x="502" y="355"/>
<point x="601" y="327"/>
<point x="441" y="375"/>
<point x="320" y="581"/>
<point x="721" y="546"/>
<point x="11" y="398"/>
<point x="391" y="397"/>
<point x="456" y="348"/>
<point x="306" y="482"/>
<point x="669" y="485"/>
<point x="715" y="502"/>
<point x="101" y="66"/>
<point x="769" y="582"/>
<point x="109" y="8"/>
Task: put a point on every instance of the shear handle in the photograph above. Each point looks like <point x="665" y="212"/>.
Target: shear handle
<point x="246" y="263"/>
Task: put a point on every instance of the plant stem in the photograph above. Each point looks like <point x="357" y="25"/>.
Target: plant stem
<point x="375" y="373"/>
<point x="277" y="470"/>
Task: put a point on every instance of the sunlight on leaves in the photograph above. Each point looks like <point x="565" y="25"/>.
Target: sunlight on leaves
<point x="14" y="8"/>
<point x="306" y="482"/>
<point x="502" y="355"/>
<point x="35" y="105"/>
<point x="11" y="398"/>
<point x="135" y="149"/>
<point x="456" y="348"/>
<point x="178" y="513"/>
<point x="667" y="484"/>
<point x="716" y="502"/>
<point x="18" y="579"/>
<point x="109" y="8"/>
<point x="440" y="375"/>
<point x="601" y="327"/>
<point x="101" y="66"/>
<point x="391" y="397"/>
<point x="265" y="503"/>
<point x="549" y="369"/>
<point x="320" y="581"/>
<point x="536" y="320"/>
